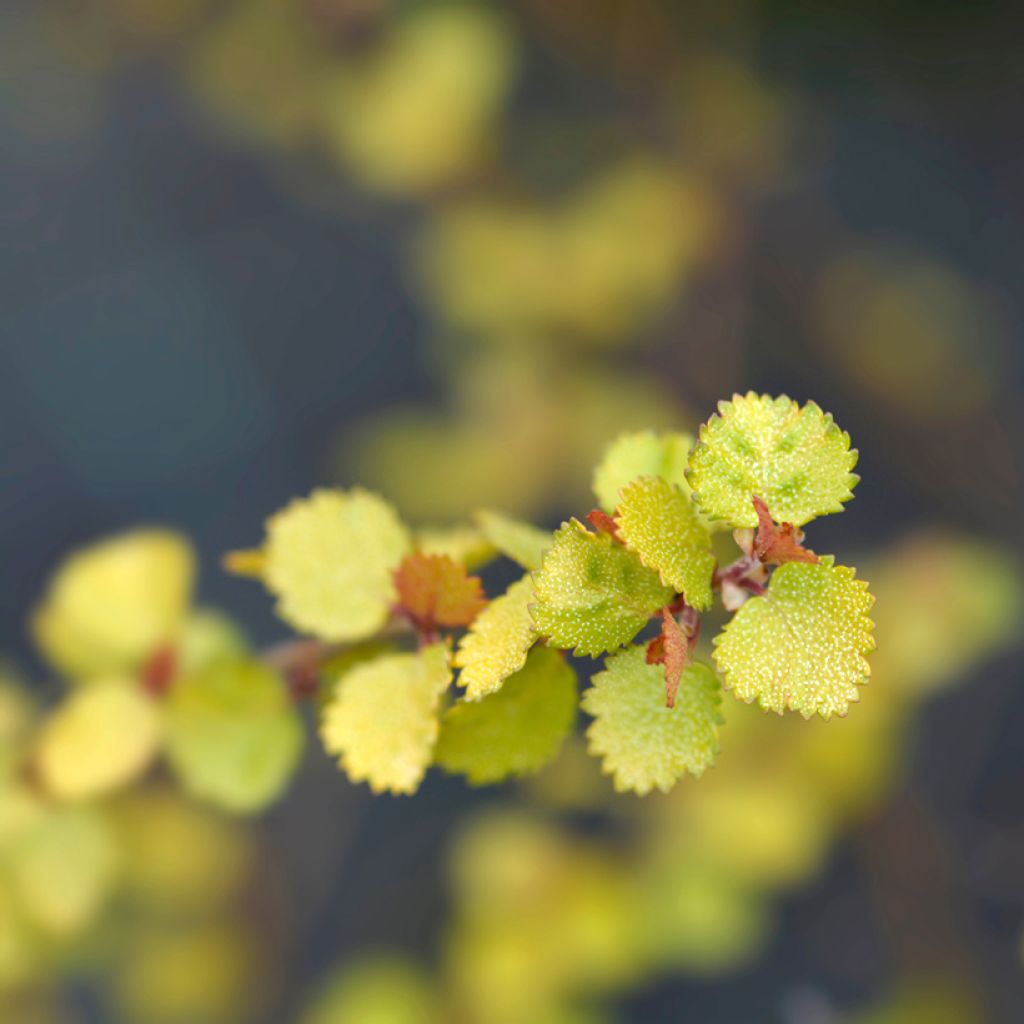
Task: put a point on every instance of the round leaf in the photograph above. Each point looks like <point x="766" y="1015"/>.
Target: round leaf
<point x="330" y="559"/>
<point x="801" y="645"/>
<point x="643" y="744"/>
<point x="793" y="457"/>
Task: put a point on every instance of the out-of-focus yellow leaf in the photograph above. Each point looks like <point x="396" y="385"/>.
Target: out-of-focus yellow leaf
<point x="101" y="738"/>
<point x="62" y="869"/>
<point x="417" y="110"/>
<point x="114" y="603"/>
<point x="378" y="990"/>
<point x="645" y="453"/>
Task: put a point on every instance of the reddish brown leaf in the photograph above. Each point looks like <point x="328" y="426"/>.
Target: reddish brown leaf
<point x="603" y="523"/>
<point x="435" y="590"/>
<point x="157" y="672"/>
<point x="672" y="647"/>
<point x="776" y="545"/>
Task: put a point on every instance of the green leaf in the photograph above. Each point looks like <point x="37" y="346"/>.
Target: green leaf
<point x="793" y="457"/>
<point x="802" y="645"/>
<point x="63" y="869"/>
<point x="497" y="642"/>
<point x="515" y="731"/>
<point x="383" y="719"/>
<point x="661" y="525"/>
<point x="519" y="541"/>
<point x="593" y="595"/>
<point x="233" y="734"/>
<point x="330" y="559"/>
<point x="644" y="744"/>
<point x="631" y="456"/>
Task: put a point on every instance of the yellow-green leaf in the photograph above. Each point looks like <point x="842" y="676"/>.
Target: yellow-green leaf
<point x="519" y="541"/>
<point x="497" y="642"/>
<point x="115" y="602"/>
<point x="99" y="739"/>
<point x="63" y="869"/>
<point x="802" y="645"/>
<point x="593" y="595"/>
<point x="793" y="457"/>
<point x="330" y="559"/>
<point x="643" y="744"/>
<point x="233" y="734"/>
<point x="515" y="731"/>
<point x="631" y="456"/>
<point x="659" y="522"/>
<point x="463" y="544"/>
<point x="382" y="721"/>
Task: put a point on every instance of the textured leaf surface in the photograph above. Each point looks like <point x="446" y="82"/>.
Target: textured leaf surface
<point x="383" y="719"/>
<point x="100" y="738"/>
<point x="802" y="645"/>
<point x="330" y="559"/>
<point x="519" y="541"/>
<point x="113" y="603"/>
<point x="515" y="731"/>
<point x="670" y="649"/>
<point x="437" y="591"/>
<point x="497" y="642"/>
<point x="793" y="457"/>
<point x="593" y="595"/>
<point x="233" y="735"/>
<point x="661" y="525"/>
<point x="643" y="744"/>
<point x="631" y="456"/>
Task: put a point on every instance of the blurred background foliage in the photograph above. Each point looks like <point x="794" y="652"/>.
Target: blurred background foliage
<point x="449" y="250"/>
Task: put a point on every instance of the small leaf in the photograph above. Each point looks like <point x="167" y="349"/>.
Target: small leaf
<point x="802" y="645"/>
<point x="515" y="731"/>
<point x="658" y="522"/>
<point x="330" y="559"/>
<point x="102" y="737"/>
<point x="498" y="641"/>
<point x="64" y="868"/>
<point x="793" y="457"/>
<point x="672" y="649"/>
<point x="776" y="545"/>
<point x="592" y="594"/>
<point x="112" y="604"/>
<point x="632" y="456"/>
<point x="233" y="735"/>
<point x="519" y="541"/>
<point x="463" y="544"/>
<point x="435" y="591"/>
<point x="644" y="744"/>
<point x="382" y="721"/>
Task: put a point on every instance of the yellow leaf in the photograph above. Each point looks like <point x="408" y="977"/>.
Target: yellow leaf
<point x="101" y="738"/>
<point x="114" y="603"/>
<point x="382" y="720"/>
<point x="330" y="559"/>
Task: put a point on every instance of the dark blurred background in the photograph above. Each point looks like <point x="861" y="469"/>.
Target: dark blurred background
<point x="220" y="288"/>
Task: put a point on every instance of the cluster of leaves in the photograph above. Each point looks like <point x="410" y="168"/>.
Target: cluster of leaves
<point x="390" y="618"/>
<point x="347" y="571"/>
